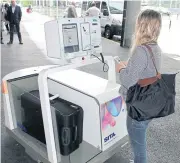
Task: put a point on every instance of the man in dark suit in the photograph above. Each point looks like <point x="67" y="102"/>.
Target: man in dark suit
<point x="14" y="15"/>
<point x="1" y="11"/>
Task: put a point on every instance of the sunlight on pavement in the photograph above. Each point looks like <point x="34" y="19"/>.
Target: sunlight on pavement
<point x="169" y="39"/>
<point x="34" y="25"/>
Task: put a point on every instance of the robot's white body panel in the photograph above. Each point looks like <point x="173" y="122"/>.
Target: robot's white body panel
<point x="106" y="94"/>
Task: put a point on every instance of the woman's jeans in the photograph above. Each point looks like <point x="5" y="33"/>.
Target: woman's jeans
<point x="137" y="136"/>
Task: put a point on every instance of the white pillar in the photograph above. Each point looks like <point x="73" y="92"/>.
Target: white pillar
<point x="57" y="7"/>
<point x="170" y="4"/>
<point x="131" y="12"/>
<point x="159" y="3"/>
<point x="50" y="3"/>
<point x="43" y="3"/>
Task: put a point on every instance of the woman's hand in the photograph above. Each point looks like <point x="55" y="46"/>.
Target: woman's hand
<point x="120" y="66"/>
<point x="124" y="62"/>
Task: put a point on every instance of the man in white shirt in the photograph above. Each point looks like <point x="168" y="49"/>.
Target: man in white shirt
<point x="93" y="11"/>
<point x="13" y="6"/>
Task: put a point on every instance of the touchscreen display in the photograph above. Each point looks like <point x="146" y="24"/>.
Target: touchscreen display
<point x="70" y="38"/>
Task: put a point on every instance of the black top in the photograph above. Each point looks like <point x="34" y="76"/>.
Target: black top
<point x="14" y="17"/>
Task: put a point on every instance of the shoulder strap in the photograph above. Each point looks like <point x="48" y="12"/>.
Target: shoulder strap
<point x="152" y="57"/>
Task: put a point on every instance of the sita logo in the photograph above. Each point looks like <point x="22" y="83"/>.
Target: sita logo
<point x="109" y="137"/>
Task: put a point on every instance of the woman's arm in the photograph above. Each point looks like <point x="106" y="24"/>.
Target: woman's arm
<point x="121" y="65"/>
<point x="136" y="65"/>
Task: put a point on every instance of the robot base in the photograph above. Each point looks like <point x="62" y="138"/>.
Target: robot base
<point x="38" y="152"/>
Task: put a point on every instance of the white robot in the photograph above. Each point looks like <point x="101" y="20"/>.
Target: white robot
<point x="63" y="115"/>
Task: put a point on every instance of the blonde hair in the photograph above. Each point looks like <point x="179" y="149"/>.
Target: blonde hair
<point x="147" y="28"/>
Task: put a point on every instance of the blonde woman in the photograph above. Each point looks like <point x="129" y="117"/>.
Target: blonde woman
<point x="140" y="66"/>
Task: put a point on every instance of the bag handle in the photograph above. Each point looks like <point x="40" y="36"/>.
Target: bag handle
<point x="148" y="81"/>
<point x="152" y="57"/>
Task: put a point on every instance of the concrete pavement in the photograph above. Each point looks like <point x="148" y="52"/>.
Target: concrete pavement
<point x="169" y="38"/>
<point x="163" y="134"/>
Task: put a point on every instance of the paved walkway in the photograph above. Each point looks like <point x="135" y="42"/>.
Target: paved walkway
<point x="163" y="134"/>
<point x="169" y="38"/>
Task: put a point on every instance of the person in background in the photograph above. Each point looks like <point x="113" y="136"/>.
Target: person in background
<point x="29" y="9"/>
<point x="141" y="65"/>
<point x="6" y="6"/>
<point x="93" y="11"/>
<point x="71" y="12"/>
<point x="1" y="8"/>
<point x="170" y="22"/>
<point x="14" y="15"/>
<point x="2" y="38"/>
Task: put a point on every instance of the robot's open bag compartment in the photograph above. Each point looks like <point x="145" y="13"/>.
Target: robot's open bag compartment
<point x="69" y="118"/>
<point x="28" y="115"/>
<point x="88" y="117"/>
<point x="69" y="124"/>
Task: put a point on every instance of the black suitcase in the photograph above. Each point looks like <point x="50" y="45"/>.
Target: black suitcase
<point x="69" y="118"/>
<point x="33" y="121"/>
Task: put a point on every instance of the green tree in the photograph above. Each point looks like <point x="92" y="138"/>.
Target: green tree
<point x="26" y="3"/>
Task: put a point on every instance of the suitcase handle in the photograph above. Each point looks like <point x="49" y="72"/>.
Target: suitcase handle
<point x="75" y="137"/>
<point x="65" y="136"/>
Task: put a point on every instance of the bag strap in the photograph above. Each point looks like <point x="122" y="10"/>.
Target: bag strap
<point x="152" y="57"/>
<point x="149" y="81"/>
